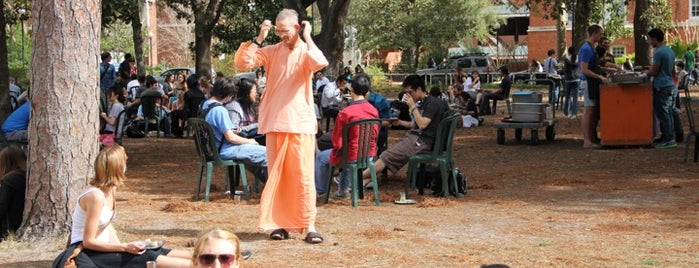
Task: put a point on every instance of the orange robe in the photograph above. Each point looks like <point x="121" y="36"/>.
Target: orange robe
<point x="288" y="118"/>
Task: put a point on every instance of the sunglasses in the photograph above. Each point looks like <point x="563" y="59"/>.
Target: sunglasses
<point x="224" y="259"/>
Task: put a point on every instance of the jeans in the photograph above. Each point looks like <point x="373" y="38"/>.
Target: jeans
<point x="663" y="107"/>
<point x="253" y="156"/>
<point x="485" y="102"/>
<point x="554" y="89"/>
<point x="322" y="170"/>
<point x="570" y="106"/>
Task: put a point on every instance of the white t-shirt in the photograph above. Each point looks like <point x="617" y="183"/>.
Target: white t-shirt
<point x="321" y="82"/>
<point x="331" y="95"/>
<point x="468" y="82"/>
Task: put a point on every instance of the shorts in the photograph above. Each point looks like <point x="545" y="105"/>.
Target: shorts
<point x="397" y="155"/>
<point x="588" y="102"/>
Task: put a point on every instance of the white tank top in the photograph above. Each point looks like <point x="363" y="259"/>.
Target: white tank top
<point x="79" y="215"/>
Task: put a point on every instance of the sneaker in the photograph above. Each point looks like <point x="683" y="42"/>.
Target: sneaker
<point x="573" y="117"/>
<point x="666" y="145"/>
<point x="342" y="194"/>
<point x="336" y="180"/>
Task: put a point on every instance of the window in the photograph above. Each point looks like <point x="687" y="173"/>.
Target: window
<point x="481" y="62"/>
<point x="465" y="63"/>
<point x="694" y="9"/>
<point x="618" y="51"/>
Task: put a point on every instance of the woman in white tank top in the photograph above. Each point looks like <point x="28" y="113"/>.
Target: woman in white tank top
<point x="95" y="210"/>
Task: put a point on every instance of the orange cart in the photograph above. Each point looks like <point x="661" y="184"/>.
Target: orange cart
<point x="626" y="114"/>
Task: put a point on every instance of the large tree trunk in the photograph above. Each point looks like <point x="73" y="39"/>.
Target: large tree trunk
<point x="202" y="46"/>
<point x="581" y="17"/>
<point x="64" y="117"/>
<point x="560" y="33"/>
<point x="640" y="29"/>
<point x="5" y="107"/>
<point x="331" y="39"/>
<point x="138" y="44"/>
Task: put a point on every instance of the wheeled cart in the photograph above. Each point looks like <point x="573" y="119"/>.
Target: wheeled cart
<point x="533" y="126"/>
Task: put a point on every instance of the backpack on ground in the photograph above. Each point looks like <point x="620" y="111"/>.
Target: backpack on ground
<point x="433" y="180"/>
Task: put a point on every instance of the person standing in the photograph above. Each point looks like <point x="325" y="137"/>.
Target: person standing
<point x="688" y="60"/>
<point x="287" y="118"/>
<point x="551" y="70"/>
<point x="572" y="83"/>
<point x="590" y="80"/>
<point x="664" y="89"/>
<point x="107" y="72"/>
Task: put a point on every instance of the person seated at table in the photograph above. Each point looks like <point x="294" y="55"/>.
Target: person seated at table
<point x="161" y="112"/>
<point x="426" y="111"/>
<point x="401" y="108"/>
<point x="467" y="108"/>
<point x="358" y="109"/>
<point x="232" y="146"/>
<point x="93" y="214"/>
<point x="217" y="248"/>
<point x="502" y="93"/>
<point x="242" y="111"/>
<point x="13" y="170"/>
<point x="332" y="96"/>
<point x="16" y="125"/>
<point x="116" y="99"/>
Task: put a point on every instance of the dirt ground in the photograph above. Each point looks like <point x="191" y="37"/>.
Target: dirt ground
<point x="551" y="205"/>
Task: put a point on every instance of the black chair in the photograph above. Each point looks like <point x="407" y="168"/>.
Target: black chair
<point x="119" y="127"/>
<point x="209" y="156"/>
<point x="441" y="154"/>
<point x="151" y="111"/>
<point x="192" y="107"/>
<point x="692" y="128"/>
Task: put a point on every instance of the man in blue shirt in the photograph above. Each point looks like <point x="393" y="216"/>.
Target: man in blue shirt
<point x="590" y="80"/>
<point x="15" y="127"/>
<point x="664" y="89"/>
<point x="107" y="72"/>
<point x="232" y="146"/>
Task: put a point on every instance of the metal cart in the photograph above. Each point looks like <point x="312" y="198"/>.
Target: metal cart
<point x="533" y="126"/>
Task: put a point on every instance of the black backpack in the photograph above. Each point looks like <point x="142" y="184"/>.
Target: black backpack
<point x="433" y="180"/>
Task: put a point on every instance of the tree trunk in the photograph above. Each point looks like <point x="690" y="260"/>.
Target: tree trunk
<point x="416" y="56"/>
<point x="581" y="17"/>
<point x="5" y="108"/>
<point x="202" y="47"/>
<point x="64" y="104"/>
<point x="331" y="39"/>
<point x="639" y="31"/>
<point x="560" y="33"/>
<point x="138" y="43"/>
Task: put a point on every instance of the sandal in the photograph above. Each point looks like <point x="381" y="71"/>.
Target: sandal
<point x="279" y="234"/>
<point x="313" y="238"/>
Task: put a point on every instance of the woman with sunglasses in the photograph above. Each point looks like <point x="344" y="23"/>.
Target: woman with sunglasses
<point x="217" y="248"/>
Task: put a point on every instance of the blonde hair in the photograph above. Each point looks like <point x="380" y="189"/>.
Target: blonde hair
<point x="12" y="158"/>
<point x="217" y="233"/>
<point x="288" y="14"/>
<point x="110" y="166"/>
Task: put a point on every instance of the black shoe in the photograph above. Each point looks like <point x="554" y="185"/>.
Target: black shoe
<point x="246" y="255"/>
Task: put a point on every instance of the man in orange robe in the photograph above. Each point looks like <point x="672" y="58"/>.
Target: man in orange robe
<point x="288" y="118"/>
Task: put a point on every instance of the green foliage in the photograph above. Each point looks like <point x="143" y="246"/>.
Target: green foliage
<point x="377" y="75"/>
<point x="117" y="37"/>
<point x="612" y="16"/>
<point x="661" y="17"/>
<point x="419" y="24"/>
<point x="15" y="42"/>
<point x="680" y="48"/>
<point x="241" y="23"/>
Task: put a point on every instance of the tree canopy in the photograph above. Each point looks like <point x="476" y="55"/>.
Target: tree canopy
<point x="420" y="24"/>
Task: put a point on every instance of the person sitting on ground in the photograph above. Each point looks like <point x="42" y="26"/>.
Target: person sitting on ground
<point x="502" y="93"/>
<point x="135" y="87"/>
<point x="243" y="111"/>
<point x="13" y="170"/>
<point x="217" y="248"/>
<point x="467" y="108"/>
<point x="359" y="109"/>
<point x="93" y="214"/>
<point x="232" y="146"/>
<point x="116" y="99"/>
<point x="427" y="111"/>
<point x="16" y="125"/>
<point x="15" y="90"/>
<point x="332" y="96"/>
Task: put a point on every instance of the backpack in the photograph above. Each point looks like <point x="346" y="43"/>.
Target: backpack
<point x="433" y="180"/>
<point x="136" y="129"/>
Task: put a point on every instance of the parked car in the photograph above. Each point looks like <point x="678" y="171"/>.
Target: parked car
<point x="468" y="63"/>
<point x="247" y="75"/>
<point x="523" y="76"/>
<point x="187" y="71"/>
